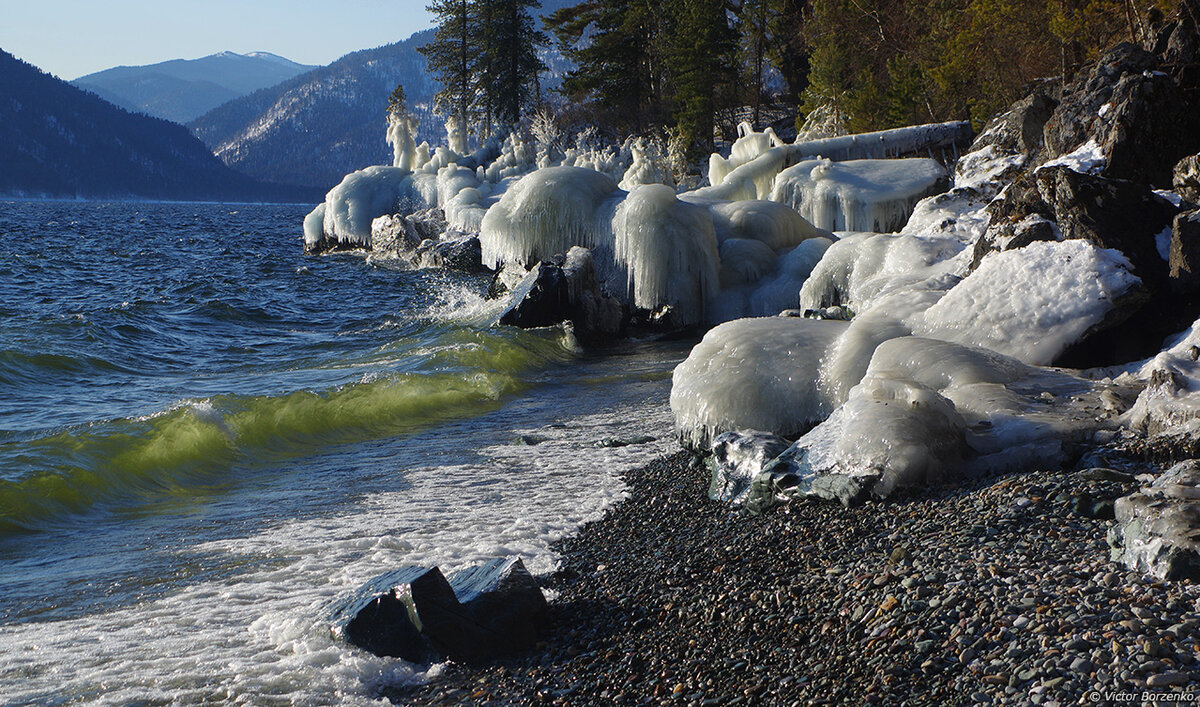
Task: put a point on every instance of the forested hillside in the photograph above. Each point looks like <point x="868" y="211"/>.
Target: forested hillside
<point x="57" y="140"/>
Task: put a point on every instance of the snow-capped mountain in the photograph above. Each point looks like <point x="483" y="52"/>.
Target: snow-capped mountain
<point x="184" y="89"/>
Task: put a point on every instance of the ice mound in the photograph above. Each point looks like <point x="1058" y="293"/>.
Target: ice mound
<point x="669" y="248"/>
<point x="860" y="267"/>
<point x="359" y="199"/>
<point x="774" y="224"/>
<point x="927" y="409"/>
<point x="775" y="289"/>
<point x="1170" y="402"/>
<point x="858" y="195"/>
<point x="1033" y="302"/>
<point x="756" y="374"/>
<point x="547" y="212"/>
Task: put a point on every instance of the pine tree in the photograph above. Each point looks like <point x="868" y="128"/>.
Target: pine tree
<point x="616" y="46"/>
<point x="452" y="58"/>
<point x="508" y="38"/>
<point x="397" y="102"/>
<point x="703" y="68"/>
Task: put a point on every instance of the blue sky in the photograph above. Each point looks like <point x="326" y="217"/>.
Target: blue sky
<point x="70" y="38"/>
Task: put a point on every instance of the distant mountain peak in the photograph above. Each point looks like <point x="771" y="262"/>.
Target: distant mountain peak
<point x="180" y="90"/>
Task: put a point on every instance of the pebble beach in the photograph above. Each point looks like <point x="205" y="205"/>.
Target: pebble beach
<point x="991" y="591"/>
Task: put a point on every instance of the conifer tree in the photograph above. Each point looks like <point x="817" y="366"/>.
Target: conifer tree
<point x="508" y="38"/>
<point x="452" y="58"/>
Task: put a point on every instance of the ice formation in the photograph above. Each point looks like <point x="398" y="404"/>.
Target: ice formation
<point x="1155" y="530"/>
<point x="669" y="249"/>
<point x="314" y="226"/>
<point x="774" y="224"/>
<point x="1032" y="303"/>
<point x="928" y="408"/>
<point x="1170" y="402"/>
<point x="756" y="374"/>
<point x="749" y="146"/>
<point x="858" y="195"/>
<point x="360" y="198"/>
<point x="545" y="213"/>
<point x="405" y="153"/>
<point x="648" y="166"/>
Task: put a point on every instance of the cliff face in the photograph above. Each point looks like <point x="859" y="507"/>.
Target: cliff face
<point x="57" y="140"/>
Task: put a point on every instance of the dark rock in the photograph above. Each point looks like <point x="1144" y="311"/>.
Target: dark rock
<point x="1186" y="178"/>
<point x="460" y="254"/>
<point x="480" y="614"/>
<point x="1148" y="129"/>
<point x="1020" y="129"/>
<point x="565" y="289"/>
<point x="737" y="458"/>
<point x="1088" y="506"/>
<point x="503" y="612"/>
<point x="1017" y="218"/>
<point x="1075" y="119"/>
<point x="543" y="298"/>
<point x="386" y="614"/>
<point x="1109" y="213"/>
<point x="1185" y="252"/>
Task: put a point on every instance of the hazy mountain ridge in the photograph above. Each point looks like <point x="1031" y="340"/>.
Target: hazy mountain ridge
<point x="58" y="140"/>
<point x="184" y="89"/>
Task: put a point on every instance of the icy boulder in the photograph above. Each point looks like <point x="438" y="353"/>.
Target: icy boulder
<point x="669" y="249"/>
<point x="1034" y="302"/>
<point x="929" y="409"/>
<point x="860" y="267"/>
<point x="1169" y="405"/>
<point x="1158" y="528"/>
<point x="771" y="287"/>
<point x="738" y="457"/>
<point x="546" y="213"/>
<point x="858" y="195"/>
<point x="758" y="374"/>
<point x="359" y="199"/>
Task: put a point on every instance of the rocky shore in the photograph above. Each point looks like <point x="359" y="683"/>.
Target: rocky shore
<point x="995" y="590"/>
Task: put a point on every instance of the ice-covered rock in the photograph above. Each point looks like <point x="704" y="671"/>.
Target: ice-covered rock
<point x="1158" y="528"/>
<point x="359" y="199"/>
<point x="565" y="289"/>
<point x="1035" y="302"/>
<point x="546" y="213"/>
<point x="858" y="195"/>
<point x="669" y="249"/>
<point x="928" y="409"/>
<point x="759" y="374"/>
<point x="736" y="458"/>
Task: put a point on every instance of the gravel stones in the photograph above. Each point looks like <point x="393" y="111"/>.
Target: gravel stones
<point x="988" y="599"/>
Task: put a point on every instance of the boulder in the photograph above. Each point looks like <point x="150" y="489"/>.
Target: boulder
<point x="1076" y="118"/>
<point x="541" y="299"/>
<point x="1148" y="128"/>
<point x="1185" y="253"/>
<point x="1109" y="213"/>
<point x="478" y="615"/>
<point x="1158" y="527"/>
<point x="565" y="289"/>
<point x="1020" y="129"/>
<point x="1186" y="178"/>
<point x="737" y="458"/>
<point x="459" y="252"/>
<point x="385" y="615"/>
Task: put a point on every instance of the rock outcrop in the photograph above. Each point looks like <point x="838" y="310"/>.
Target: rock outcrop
<point x="1158" y="527"/>
<point x="474" y="616"/>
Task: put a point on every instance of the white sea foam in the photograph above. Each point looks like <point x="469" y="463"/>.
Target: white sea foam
<point x="259" y="636"/>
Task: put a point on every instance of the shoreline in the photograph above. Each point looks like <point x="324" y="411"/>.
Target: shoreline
<point x="992" y="590"/>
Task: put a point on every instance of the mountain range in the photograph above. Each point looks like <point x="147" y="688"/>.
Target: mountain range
<point x="58" y="140"/>
<point x="319" y="126"/>
<point x="184" y="89"/>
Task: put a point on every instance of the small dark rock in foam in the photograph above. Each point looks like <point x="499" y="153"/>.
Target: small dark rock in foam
<point x="480" y="614"/>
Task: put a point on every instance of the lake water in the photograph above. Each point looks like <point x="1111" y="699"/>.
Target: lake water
<point x="206" y="438"/>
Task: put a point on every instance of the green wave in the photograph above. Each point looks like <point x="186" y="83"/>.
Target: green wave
<point x="187" y="450"/>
